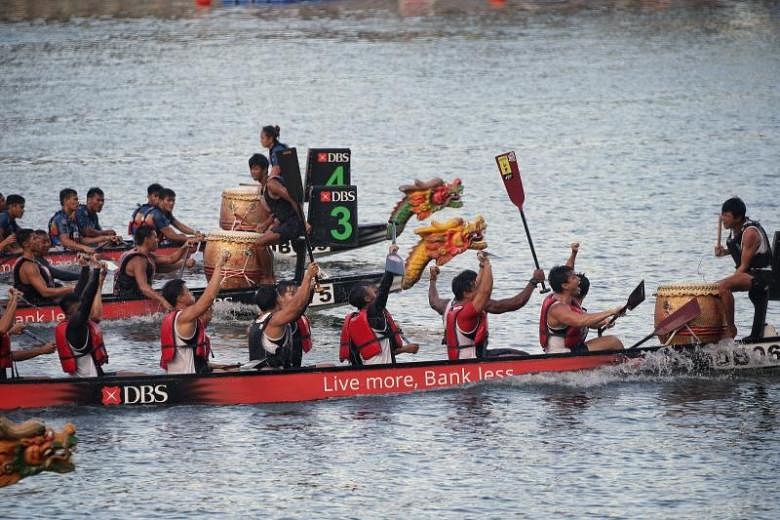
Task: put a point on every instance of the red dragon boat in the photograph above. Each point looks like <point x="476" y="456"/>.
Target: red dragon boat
<point x="317" y="383"/>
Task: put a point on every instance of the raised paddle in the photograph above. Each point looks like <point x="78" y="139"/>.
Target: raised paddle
<point x="510" y="174"/>
<point x="720" y="226"/>
<point x="394" y="263"/>
<point x="636" y="297"/>
<point x="674" y="321"/>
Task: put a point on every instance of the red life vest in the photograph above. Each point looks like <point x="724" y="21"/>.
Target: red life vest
<point x="202" y="344"/>
<point x="303" y="331"/>
<point x="68" y="358"/>
<point x="357" y="336"/>
<point x="5" y="351"/>
<point x="478" y="337"/>
<point x="574" y="335"/>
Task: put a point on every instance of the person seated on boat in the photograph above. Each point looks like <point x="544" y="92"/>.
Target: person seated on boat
<point x="271" y="335"/>
<point x="185" y="347"/>
<point x="137" y="267"/>
<point x="78" y="337"/>
<point x="9" y="328"/>
<point x="563" y="324"/>
<point x="64" y="230"/>
<point x="42" y="246"/>
<point x="31" y="278"/>
<point x="465" y="315"/>
<point x="258" y="167"/>
<point x="87" y="217"/>
<point x="139" y="214"/>
<point x="14" y="209"/>
<point x="167" y="226"/>
<point x="371" y="336"/>
<point x="748" y="245"/>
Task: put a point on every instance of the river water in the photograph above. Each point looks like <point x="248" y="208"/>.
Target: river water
<point x="632" y="122"/>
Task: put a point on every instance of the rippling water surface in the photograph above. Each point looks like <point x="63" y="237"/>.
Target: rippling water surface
<point x="632" y="122"/>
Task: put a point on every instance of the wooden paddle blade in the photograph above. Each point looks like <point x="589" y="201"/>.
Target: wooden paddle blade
<point x="636" y="297"/>
<point x="678" y="318"/>
<point x="510" y="174"/>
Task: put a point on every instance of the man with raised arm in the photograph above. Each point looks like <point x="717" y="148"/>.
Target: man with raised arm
<point x="185" y="347"/>
<point x="748" y="245"/>
<point x="7" y="329"/>
<point x="370" y="335"/>
<point x="563" y="324"/>
<point x="14" y="209"/>
<point x="138" y="266"/>
<point x="33" y="279"/>
<point x="271" y="335"/>
<point x="78" y="337"/>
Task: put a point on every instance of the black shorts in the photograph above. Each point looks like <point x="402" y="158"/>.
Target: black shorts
<point x="580" y="348"/>
<point x="289" y="229"/>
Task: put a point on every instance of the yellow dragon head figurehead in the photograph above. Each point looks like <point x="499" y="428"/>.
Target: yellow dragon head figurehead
<point x="442" y="241"/>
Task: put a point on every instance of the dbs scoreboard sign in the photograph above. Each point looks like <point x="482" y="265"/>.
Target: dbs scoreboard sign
<point x="333" y="215"/>
<point x="328" y="167"/>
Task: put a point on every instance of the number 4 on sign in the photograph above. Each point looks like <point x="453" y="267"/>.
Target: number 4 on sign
<point x="336" y="178"/>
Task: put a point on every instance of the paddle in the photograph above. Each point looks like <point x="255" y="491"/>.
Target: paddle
<point x="636" y="297"/>
<point x="674" y="321"/>
<point x="510" y="174"/>
<point x="394" y="263"/>
<point x="34" y="336"/>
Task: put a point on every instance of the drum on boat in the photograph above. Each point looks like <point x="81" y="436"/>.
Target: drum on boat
<point x="709" y="327"/>
<point x="248" y="264"/>
<point x="242" y="209"/>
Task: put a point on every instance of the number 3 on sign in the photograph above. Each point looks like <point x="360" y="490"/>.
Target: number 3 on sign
<point x="344" y="229"/>
<point x="324" y="297"/>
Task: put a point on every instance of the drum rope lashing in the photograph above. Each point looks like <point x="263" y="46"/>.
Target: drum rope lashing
<point x="238" y="219"/>
<point x="236" y="273"/>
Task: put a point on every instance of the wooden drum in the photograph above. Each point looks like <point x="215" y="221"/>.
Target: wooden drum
<point x="242" y="209"/>
<point x="248" y="265"/>
<point x="709" y="327"/>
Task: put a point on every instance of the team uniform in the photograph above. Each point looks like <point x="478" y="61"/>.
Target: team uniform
<point x="62" y="225"/>
<point x="184" y="355"/>
<point x="465" y="331"/>
<point x="565" y="339"/>
<point x="86" y="219"/>
<point x="125" y="285"/>
<point x="8" y="225"/>
<point x="285" y="351"/>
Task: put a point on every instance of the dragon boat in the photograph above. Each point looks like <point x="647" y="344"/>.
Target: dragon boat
<point x="31" y="447"/>
<point x="333" y="292"/>
<point x="252" y="386"/>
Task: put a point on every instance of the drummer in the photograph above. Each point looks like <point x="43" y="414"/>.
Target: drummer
<point x="271" y="335"/>
<point x="14" y="209"/>
<point x="258" y="167"/>
<point x="87" y="216"/>
<point x="9" y="328"/>
<point x="748" y="246"/>
<point x="563" y="324"/>
<point x="138" y="266"/>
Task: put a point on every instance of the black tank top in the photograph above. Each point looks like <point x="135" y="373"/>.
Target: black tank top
<point x="28" y="291"/>
<point x="282" y="358"/>
<point x="281" y="208"/>
<point x="125" y="285"/>
<point x="734" y="245"/>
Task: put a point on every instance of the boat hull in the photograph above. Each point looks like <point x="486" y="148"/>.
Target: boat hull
<point x="335" y="292"/>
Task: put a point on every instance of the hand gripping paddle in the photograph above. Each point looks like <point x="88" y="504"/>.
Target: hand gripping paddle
<point x="636" y="297"/>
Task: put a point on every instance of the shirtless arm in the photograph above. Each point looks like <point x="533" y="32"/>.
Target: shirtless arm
<point x="517" y="301"/>
<point x="484" y="285"/>
<point x="181" y="226"/>
<point x="295" y="306"/>
<point x="7" y="319"/>
<point x="751" y="241"/>
<point x="31" y="276"/>
<point x="187" y="317"/>
<point x="173" y="257"/>
<point x="279" y="191"/>
<point x="69" y="243"/>
<point x="575" y="248"/>
<point x="172" y="235"/>
<point x="136" y="268"/>
<point x="563" y="315"/>
<point x="438" y="304"/>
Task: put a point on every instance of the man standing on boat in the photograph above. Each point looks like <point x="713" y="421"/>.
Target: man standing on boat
<point x="87" y="216"/>
<point x="7" y="329"/>
<point x="269" y="138"/>
<point x="370" y="336"/>
<point x="30" y="277"/>
<point x="78" y="337"/>
<point x="138" y="266"/>
<point x="272" y="334"/>
<point x="185" y="347"/>
<point x="563" y="324"/>
<point x="64" y="230"/>
<point x="14" y="209"/>
<point x="139" y="214"/>
<point x="749" y="247"/>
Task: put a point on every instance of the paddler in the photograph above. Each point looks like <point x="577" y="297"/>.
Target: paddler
<point x="139" y="214"/>
<point x="465" y="315"/>
<point x="272" y="334"/>
<point x="42" y="246"/>
<point x="14" y="209"/>
<point x="563" y="324"/>
<point x="167" y="226"/>
<point x="64" y="230"/>
<point x="748" y="245"/>
<point x="370" y="335"/>
<point x="9" y="328"/>
<point x="31" y="278"/>
<point x="78" y="337"/>
<point x="185" y="347"/>
<point x="138" y="266"/>
<point x="87" y="217"/>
